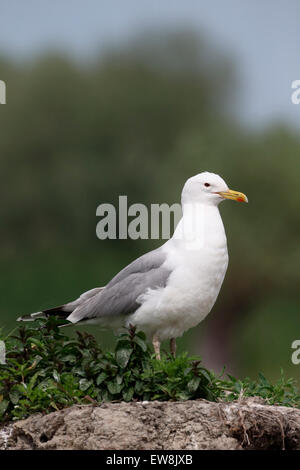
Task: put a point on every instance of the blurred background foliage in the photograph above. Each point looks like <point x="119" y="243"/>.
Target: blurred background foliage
<point x="139" y="121"/>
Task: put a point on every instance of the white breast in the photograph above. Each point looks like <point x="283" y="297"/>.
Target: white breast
<point x="198" y="266"/>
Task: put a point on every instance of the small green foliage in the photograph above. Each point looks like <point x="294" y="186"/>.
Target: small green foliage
<point x="46" y="371"/>
<point x="284" y="392"/>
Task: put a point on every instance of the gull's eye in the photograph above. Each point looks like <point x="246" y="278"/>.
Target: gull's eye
<point x="207" y="185"/>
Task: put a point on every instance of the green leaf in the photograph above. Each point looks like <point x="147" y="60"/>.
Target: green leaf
<point x="101" y="377"/>
<point x="119" y="379"/>
<point x="193" y="384"/>
<point x="32" y="382"/>
<point x="237" y="386"/>
<point x="128" y="394"/>
<point x="263" y="380"/>
<point x="233" y="379"/>
<point x="3" y="406"/>
<point x="123" y="353"/>
<point x="54" y="405"/>
<point x="84" y="384"/>
<point x="114" y="388"/>
<point x="36" y="342"/>
<point x="183" y="396"/>
<point x="56" y="376"/>
<point x="69" y="358"/>
<point x="138" y="386"/>
<point x="205" y="373"/>
<point x="141" y="343"/>
<point x="141" y="335"/>
<point x="14" y="396"/>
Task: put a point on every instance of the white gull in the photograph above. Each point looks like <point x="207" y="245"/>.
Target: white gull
<point x="173" y="288"/>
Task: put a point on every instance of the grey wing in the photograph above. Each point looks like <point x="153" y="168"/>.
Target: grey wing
<point x="70" y="306"/>
<point x="120" y="295"/>
<point x="62" y="311"/>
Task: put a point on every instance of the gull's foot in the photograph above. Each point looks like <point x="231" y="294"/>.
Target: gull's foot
<point x="156" y="345"/>
<point x="173" y="347"/>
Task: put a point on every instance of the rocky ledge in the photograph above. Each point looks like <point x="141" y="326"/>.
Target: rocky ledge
<point x="244" y="424"/>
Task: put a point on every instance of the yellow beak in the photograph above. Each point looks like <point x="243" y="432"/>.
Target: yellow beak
<point x="235" y="195"/>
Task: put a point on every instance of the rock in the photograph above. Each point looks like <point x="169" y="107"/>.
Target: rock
<point x="190" y="425"/>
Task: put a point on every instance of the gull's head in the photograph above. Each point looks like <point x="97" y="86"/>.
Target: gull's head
<point x="209" y="188"/>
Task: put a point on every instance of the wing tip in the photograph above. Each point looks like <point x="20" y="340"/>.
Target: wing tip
<point x="71" y="318"/>
<point x="32" y="316"/>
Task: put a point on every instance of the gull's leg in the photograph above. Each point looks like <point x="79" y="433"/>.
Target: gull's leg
<point x="173" y="347"/>
<point x="156" y="345"/>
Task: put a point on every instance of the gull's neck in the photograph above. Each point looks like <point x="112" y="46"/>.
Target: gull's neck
<point x="200" y="226"/>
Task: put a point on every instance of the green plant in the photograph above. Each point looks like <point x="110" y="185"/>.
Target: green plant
<point x="45" y="370"/>
<point x="284" y="392"/>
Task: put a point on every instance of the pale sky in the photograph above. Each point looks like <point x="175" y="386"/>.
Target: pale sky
<point x="262" y="36"/>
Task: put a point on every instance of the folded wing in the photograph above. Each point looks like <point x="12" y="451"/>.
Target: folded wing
<point x="120" y="296"/>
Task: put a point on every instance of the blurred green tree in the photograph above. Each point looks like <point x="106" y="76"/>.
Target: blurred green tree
<point x="138" y="121"/>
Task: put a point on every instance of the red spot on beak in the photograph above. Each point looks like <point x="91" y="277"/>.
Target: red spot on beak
<point x="240" y="199"/>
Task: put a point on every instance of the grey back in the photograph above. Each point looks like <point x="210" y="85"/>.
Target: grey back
<point x="120" y="295"/>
